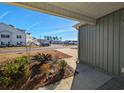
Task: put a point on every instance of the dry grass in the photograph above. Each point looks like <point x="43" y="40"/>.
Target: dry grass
<point x="14" y="48"/>
<point x="10" y="56"/>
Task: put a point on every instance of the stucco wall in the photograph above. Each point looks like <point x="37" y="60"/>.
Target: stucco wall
<point x="102" y="45"/>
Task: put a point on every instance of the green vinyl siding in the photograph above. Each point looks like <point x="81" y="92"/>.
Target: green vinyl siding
<point x="103" y="43"/>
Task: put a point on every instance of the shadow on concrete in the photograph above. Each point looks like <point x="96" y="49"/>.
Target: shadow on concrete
<point x="88" y="78"/>
<point x="113" y="84"/>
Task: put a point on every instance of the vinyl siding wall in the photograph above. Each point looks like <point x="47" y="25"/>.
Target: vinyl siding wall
<point x="102" y="45"/>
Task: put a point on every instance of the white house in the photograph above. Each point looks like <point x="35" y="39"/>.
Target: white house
<point x="12" y="36"/>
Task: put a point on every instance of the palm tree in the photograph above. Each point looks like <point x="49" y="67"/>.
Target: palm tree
<point x="50" y="37"/>
<point x="56" y="37"/>
<point x="45" y="37"/>
<point x="60" y="38"/>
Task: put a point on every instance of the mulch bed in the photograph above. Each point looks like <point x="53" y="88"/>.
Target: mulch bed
<point x="39" y="80"/>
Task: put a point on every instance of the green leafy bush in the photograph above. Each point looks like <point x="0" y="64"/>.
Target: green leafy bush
<point x="14" y="71"/>
<point x="62" y="64"/>
<point x="15" y="66"/>
<point x="42" y="58"/>
<point x="27" y="71"/>
<point x="22" y="60"/>
<point x="4" y="81"/>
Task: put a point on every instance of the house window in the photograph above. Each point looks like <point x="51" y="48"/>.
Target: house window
<point x="20" y="43"/>
<point x="19" y="36"/>
<point x="5" y="36"/>
<point x="2" y="43"/>
<point x="17" y="43"/>
<point x="8" y="43"/>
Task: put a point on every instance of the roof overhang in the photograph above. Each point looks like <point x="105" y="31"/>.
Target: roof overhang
<point x="84" y="12"/>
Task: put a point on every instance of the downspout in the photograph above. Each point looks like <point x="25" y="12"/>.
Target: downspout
<point x="77" y="27"/>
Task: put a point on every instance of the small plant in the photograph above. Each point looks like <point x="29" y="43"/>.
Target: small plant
<point x="43" y="58"/>
<point x="62" y="64"/>
<point x="45" y="68"/>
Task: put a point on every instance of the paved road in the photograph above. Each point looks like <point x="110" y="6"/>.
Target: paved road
<point x="24" y="49"/>
<point x="18" y="50"/>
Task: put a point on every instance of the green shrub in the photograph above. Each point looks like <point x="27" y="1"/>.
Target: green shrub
<point x="27" y="72"/>
<point x="15" y="66"/>
<point x="15" y="71"/>
<point x="42" y="58"/>
<point x="22" y="60"/>
<point x="4" y="81"/>
<point x="10" y="68"/>
<point x="62" y="64"/>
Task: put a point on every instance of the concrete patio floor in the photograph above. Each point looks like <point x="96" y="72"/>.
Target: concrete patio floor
<point x="89" y="78"/>
<point x="114" y="84"/>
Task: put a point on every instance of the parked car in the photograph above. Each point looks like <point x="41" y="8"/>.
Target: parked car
<point x="75" y="42"/>
<point x="45" y="44"/>
<point x="57" y="42"/>
<point x="71" y="42"/>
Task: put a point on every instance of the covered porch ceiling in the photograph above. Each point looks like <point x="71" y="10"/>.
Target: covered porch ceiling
<point x="84" y="12"/>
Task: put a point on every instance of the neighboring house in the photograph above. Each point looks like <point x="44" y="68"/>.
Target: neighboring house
<point x="29" y="38"/>
<point x="11" y="36"/>
<point x="36" y="42"/>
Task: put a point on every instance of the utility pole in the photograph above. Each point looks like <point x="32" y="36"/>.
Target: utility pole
<point x="40" y="41"/>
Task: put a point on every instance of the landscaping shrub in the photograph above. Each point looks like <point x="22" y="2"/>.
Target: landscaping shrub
<point x="4" y="82"/>
<point x="62" y="64"/>
<point x="42" y="58"/>
<point x="22" y="74"/>
<point x="22" y="60"/>
<point x="14" y="71"/>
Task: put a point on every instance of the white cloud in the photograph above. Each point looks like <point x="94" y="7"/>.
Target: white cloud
<point x="33" y="25"/>
<point x="59" y="32"/>
<point x="4" y="14"/>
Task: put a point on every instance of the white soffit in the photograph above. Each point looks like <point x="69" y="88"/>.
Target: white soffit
<point x="91" y="9"/>
<point x="86" y="12"/>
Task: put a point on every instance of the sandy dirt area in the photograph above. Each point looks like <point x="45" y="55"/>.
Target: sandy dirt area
<point x="55" y="53"/>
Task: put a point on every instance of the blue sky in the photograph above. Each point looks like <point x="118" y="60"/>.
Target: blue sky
<point x="39" y="24"/>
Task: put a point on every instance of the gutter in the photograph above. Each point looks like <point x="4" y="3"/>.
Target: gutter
<point x="77" y="26"/>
